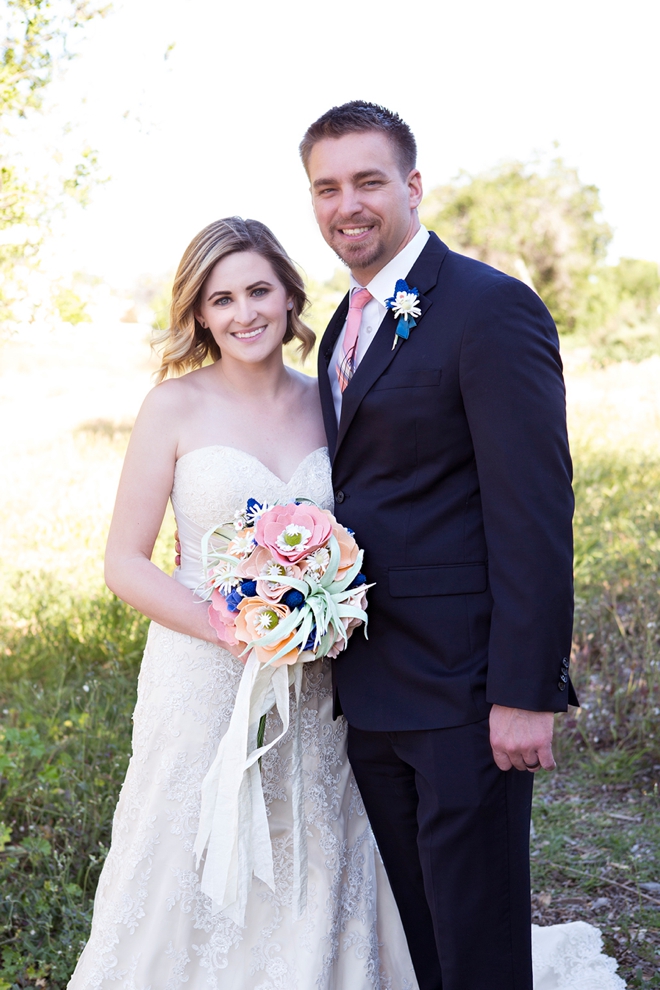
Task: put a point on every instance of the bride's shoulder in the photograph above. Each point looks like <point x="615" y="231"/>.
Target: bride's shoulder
<point x="174" y="394"/>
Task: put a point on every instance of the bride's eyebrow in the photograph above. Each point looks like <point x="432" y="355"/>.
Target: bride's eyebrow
<point x="248" y="288"/>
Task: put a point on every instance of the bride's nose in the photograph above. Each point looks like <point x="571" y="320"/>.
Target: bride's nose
<point x="245" y="312"/>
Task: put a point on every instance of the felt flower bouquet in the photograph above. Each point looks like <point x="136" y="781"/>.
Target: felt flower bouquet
<point x="285" y="581"/>
<point x="288" y="585"/>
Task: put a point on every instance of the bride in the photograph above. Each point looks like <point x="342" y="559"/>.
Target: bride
<point x="235" y="424"/>
<point x="241" y="426"/>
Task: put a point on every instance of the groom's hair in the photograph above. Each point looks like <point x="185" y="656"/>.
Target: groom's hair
<point x="360" y="116"/>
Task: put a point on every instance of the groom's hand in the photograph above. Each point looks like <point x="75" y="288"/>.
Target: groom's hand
<point x="521" y="739"/>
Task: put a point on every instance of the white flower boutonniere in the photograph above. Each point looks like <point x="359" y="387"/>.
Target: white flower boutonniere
<point x="405" y="307"/>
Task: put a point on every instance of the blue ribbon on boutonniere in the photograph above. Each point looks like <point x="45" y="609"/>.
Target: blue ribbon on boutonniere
<point x="405" y="307"/>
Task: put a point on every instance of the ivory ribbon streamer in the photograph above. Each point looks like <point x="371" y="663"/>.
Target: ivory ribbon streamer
<point x="233" y="826"/>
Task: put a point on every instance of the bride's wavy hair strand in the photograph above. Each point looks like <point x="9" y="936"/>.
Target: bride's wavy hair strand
<point x="186" y="344"/>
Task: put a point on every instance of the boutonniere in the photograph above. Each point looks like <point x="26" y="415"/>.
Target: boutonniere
<point x="405" y="306"/>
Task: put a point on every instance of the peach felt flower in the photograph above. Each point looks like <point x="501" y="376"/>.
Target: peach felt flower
<point x="292" y="531"/>
<point x="222" y="619"/>
<point x="257" y="617"/>
<point x="348" y="548"/>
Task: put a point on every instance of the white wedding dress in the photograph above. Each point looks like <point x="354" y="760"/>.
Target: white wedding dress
<point x="153" y="928"/>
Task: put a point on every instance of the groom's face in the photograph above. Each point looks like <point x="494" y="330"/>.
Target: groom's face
<point x="365" y="207"/>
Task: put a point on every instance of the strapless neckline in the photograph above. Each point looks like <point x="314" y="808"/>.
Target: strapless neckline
<point x="253" y="457"/>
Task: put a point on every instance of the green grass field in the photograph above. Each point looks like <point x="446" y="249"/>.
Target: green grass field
<point x="71" y="653"/>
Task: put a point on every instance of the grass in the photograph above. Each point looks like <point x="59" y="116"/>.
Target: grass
<point x="595" y="844"/>
<point x="67" y="693"/>
<point x="70" y="655"/>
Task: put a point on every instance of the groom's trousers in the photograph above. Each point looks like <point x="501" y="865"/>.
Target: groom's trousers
<point x="453" y="832"/>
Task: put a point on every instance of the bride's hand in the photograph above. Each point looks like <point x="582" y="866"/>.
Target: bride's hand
<point x="177" y="549"/>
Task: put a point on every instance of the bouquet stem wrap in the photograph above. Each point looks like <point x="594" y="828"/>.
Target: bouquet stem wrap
<point x="233" y="826"/>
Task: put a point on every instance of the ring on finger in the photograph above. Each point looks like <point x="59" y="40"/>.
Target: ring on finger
<point x="533" y="766"/>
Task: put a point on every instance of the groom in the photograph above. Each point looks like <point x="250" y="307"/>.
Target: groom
<point x="451" y="463"/>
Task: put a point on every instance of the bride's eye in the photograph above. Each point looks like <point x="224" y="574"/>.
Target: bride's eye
<point x="259" y="292"/>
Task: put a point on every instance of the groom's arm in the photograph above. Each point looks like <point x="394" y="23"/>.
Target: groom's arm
<point x="513" y="392"/>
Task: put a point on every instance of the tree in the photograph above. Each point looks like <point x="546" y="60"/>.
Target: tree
<point x="37" y="39"/>
<point x="537" y="222"/>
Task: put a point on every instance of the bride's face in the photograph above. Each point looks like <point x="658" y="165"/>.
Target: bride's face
<point x="245" y="307"/>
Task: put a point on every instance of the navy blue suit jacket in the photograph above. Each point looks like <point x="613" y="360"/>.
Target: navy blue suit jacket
<point x="451" y="463"/>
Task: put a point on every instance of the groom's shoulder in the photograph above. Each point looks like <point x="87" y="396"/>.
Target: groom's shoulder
<point x="472" y="282"/>
<point x="470" y="273"/>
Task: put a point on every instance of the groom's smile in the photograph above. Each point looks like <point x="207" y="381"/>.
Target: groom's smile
<point x="364" y="204"/>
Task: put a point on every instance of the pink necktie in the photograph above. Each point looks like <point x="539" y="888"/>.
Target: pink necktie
<point x="347" y="363"/>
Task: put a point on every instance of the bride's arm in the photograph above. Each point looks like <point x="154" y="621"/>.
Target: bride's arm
<point x="144" y="488"/>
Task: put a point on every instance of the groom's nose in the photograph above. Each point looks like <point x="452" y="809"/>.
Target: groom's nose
<point x="350" y="202"/>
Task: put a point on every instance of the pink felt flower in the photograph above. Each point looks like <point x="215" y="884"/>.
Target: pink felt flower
<point x="222" y="620"/>
<point x="359" y="599"/>
<point x="260" y="567"/>
<point x="292" y="531"/>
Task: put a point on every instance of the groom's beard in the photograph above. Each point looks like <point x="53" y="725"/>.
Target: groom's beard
<point x="360" y="255"/>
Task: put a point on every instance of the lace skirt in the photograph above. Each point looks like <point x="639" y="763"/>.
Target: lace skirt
<point x="153" y="928"/>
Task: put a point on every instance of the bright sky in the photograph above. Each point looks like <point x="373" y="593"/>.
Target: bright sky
<point x="213" y="129"/>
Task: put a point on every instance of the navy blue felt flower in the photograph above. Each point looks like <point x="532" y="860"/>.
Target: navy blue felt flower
<point x="292" y="598"/>
<point x="249" y="589"/>
<point x="311" y="639"/>
<point x="358" y="580"/>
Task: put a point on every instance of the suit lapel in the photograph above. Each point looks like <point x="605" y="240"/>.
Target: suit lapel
<point x="423" y="275"/>
<point x="326" y="348"/>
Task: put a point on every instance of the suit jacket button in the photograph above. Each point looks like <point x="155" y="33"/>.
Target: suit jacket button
<point x="562" y="685"/>
<point x="339" y="497"/>
<point x="563" y="677"/>
<point x="565" y="663"/>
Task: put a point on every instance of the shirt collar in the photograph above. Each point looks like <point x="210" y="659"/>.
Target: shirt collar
<point x="382" y="284"/>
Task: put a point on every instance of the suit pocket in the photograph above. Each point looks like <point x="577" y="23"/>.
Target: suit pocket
<point x="415" y="378"/>
<point x="440" y="579"/>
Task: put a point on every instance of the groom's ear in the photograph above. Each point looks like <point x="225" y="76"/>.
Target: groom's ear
<point x="415" y="188"/>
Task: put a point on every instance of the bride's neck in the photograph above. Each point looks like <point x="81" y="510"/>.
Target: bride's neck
<point x="263" y="381"/>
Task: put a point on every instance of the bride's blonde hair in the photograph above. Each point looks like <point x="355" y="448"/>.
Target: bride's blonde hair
<point x="186" y="343"/>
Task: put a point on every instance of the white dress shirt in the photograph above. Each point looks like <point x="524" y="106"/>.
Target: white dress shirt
<point x="381" y="288"/>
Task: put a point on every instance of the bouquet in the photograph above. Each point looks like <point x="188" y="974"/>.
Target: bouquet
<point x="285" y="581"/>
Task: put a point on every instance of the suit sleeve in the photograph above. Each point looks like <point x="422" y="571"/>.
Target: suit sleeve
<point x="514" y="397"/>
